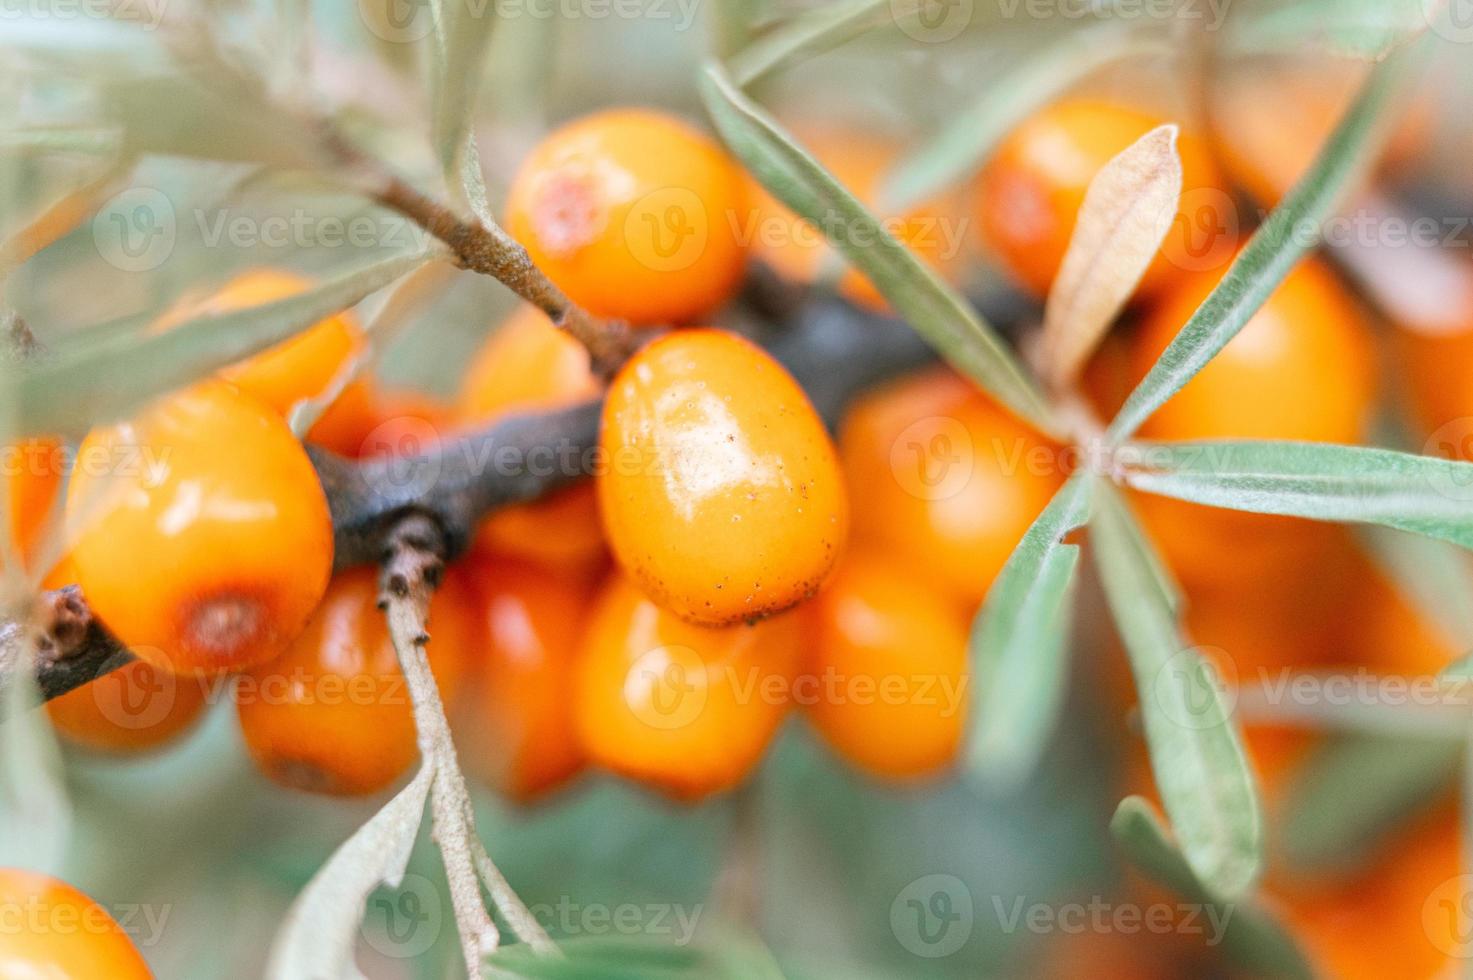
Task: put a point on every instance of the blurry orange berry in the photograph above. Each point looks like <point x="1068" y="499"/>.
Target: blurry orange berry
<point x="135" y="708"/>
<point x="1384" y="631"/>
<point x="296" y="369"/>
<point x="202" y="536"/>
<point x="686" y="709"/>
<point x="54" y="932"/>
<point x="33" y="470"/>
<point x="630" y="212"/>
<point x="889" y="663"/>
<point x="944" y="479"/>
<point x="529" y="365"/>
<point x="333" y="714"/>
<point x="527" y="632"/>
<point x="1030" y="192"/>
<point x="1437" y="383"/>
<point x="366" y="420"/>
<point x="722" y="495"/>
<point x="799" y="251"/>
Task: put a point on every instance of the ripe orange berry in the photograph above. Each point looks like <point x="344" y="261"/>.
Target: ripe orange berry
<point x="686" y="709"/>
<point x="946" y="481"/>
<point x="527" y="631"/>
<point x="890" y="664"/>
<point x="1030" y="192"/>
<point x="799" y="252"/>
<point x="630" y="212"/>
<point x="52" y="930"/>
<point x="202" y="536"/>
<point x="722" y="496"/>
<point x="134" y="709"/>
<point x="529" y="365"/>
<point x="1303" y="368"/>
<point x="33" y="470"/>
<point x="333" y="714"/>
<point x="296" y="369"/>
<point x="366" y="420"/>
<point x="1437" y="383"/>
<point x="1385" y="631"/>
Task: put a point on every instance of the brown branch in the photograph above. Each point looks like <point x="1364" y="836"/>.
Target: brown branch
<point x="834" y="351"/>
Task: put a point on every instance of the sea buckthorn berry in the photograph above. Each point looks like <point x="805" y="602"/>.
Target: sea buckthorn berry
<point x="369" y="421"/>
<point x="799" y="251"/>
<point x="1030" y="192"/>
<point x="33" y="470"/>
<point x="1303" y="368"/>
<point x="333" y="714"/>
<point x="686" y="709"/>
<point x="54" y="931"/>
<point x="630" y="212"/>
<point x="890" y="664"/>
<point x="1437" y="383"/>
<point x="722" y="496"/>
<point x="295" y="369"/>
<point x="949" y="481"/>
<point x="529" y="365"/>
<point x="527" y="630"/>
<point x="136" y="708"/>
<point x="202" y="537"/>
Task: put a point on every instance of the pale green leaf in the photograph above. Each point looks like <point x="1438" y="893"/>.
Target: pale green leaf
<point x="1019" y="666"/>
<point x="1365" y="29"/>
<point x="85" y="384"/>
<point x="35" y="813"/>
<point x="1196" y="753"/>
<point x="942" y="317"/>
<point x="1280" y="242"/>
<point x="459" y="42"/>
<point x="636" y="958"/>
<point x="1422" y="494"/>
<point x="811" y="33"/>
<point x="318" y="937"/>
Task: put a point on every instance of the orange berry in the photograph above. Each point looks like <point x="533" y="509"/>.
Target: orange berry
<point x="722" y="496"/>
<point x="630" y="212"/>
<point x="686" y="709"/>
<point x="202" y="536"/>
<point x="1030" y="192"/>
<point x="890" y="665"/>
<point x="135" y="708"/>
<point x="333" y="714"/>
<point x="296" y="369"/>
<point x="529" y="365"/>
<point x="947" y="481"/>
<point x="527" y="633"/>
<point x="33" y="470"/>
<point x="368" y="421"/>
<point x="1437" y="383"/>
<point x="798" y="251"/>
<point x="1386" y="632"/>
<point x="1303" y="368"/>
<point x="53" y="931"/>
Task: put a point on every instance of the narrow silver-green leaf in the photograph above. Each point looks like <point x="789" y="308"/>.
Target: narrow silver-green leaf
<point x="35" y="812"/>
<point x="1196" y="753"/>
<point x="808" y="34"/>
<point x="1365" y="29"/>
<point x="459" y="42"/>
<point x="1249" y="934"/>
<point x="85" y="384"/>
<point x="968" y="138"/>
<point x="942" y="317"/>
<point x="1422" y="494"/>
<point x="1019" y="666"/>
<point x="1290" y="231"/>
<point x="319" y="934"/>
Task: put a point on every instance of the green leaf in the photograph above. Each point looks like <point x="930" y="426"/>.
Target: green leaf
<point x="1422" y="494"/>
<point x="88" y="384"/>
<point x="1196" y="753"/>
<point x="459" y="42"/>
<point x="967" y="140"/>
<point x="1018" y="642"/>
<point x="1251" y="935"/>
<point x="1280" y="242"/>
<point x="627" y="958"/>
<point x="35" y="813"/>
<point x="941" y="316"/>
<point x="802" y="37"/>
<point x="1355" y="790"/>
<point x="320" y="932"/>
<point x="1365" y="29"/>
